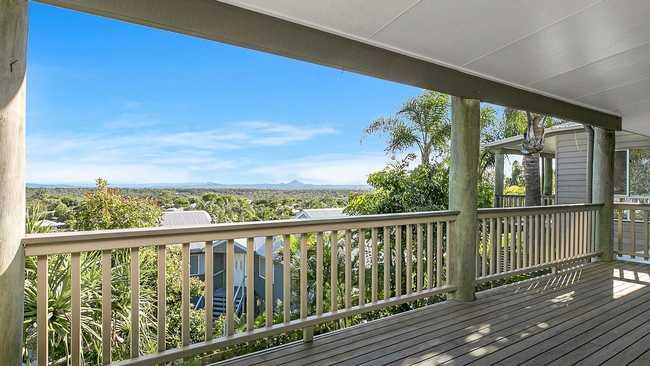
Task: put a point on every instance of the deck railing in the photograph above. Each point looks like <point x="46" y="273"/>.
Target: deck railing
<point x="520" y="240"/>
<point x="410" y="248"/>
<point x="631" y="237"/>
<point x="519" y="200"/>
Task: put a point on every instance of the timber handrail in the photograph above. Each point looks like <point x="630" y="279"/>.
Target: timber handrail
<point x="628" y="218"/>
<point x="411" y="249"/>
<point x="518" y="240"/>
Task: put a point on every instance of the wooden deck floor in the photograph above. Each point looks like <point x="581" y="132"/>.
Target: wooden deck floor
<point x="597" y="314"/>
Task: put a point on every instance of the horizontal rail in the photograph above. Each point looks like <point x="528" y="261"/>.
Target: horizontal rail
<point x="71" y="242"/>
<point x="364" y="271"/>
<point x="202" y="347"/>
<point x="505" y="211"/>
<point x="536" y="268"/>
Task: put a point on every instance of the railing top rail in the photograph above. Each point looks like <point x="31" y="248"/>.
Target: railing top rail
<point x="68" y="242"/>
<point x="513" y="211"/>
<point x="631" y="205"/>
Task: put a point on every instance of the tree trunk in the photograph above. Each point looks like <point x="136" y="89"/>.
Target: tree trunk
<point x="532" y="180"/>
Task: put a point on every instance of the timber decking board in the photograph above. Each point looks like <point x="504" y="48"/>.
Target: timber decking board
<point x="584" y="315"/>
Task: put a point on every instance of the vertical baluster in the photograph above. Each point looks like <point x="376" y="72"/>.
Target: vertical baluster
<point x="573" y="231"/>
<point x="619" y="231"/>
<point x="538" y="239"/>
<point x="498" y="255"/>
<point x="185" y="293"/>
<point x="286" y="278"/>
<point x="506" y="244"/>
<point x="513" y="238"/>
<point x="552" y="228"/>
<point x="106" y="307"/>
<point x="583" y="232"/>
<point x="209" y="289"/>
<point x="398" y="260"/>
<point x="75" y="299"/>
<point x="418" y="279"/>
<point x="162" y="297"/>
<point x="430" y="255"/>
<point x="646" y="236"/>
<point x="348" y="269"/>
<point x="334" y="272"/>
<point x="307" y="332"/>
<point x="531" y="240"/>
<point x="549" y="233"/>
<point x="42" y="309"/>
<point x="230" y="273"/>
<point x="450" y="243"/>
<point x="268" y="279"/>
<point x="633" y="231"/>
<point x="518" y="242"/>
<point x="439" y="255"/>
<point x="250" y="284"/>
<point x="319" y="273"/>
<point x="484" y="245"/>
<point x="375" y="265"/>
<point x="135" y="302"/>
<point x="524" y="241"/>
<point x="386" y="263"/>
<point x="544" y="241"/>
<point x="409" y="258"/>
<point x="492" y="248"/>
<point x="362" y="266"/>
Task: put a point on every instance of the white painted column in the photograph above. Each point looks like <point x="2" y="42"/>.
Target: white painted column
<point x="13" y="42"/>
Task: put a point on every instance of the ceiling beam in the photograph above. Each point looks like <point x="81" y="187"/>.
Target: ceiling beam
<point x="213" y="20"/>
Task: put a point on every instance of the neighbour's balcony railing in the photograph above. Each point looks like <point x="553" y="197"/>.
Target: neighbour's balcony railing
<point x="402" y="256"/>
<point x="519" y="200"/>
<point x="631" y="237"/>
<point x="519" y="240"/>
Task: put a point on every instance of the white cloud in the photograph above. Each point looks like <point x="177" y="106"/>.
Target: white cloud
<point x="133" y="156"/>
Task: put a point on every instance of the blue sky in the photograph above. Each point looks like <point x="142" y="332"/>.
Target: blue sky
<point x="139" y="105"/>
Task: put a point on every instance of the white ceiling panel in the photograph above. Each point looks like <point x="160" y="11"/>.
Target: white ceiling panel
<point x="605" y="29"/>
<point x="614" y="99"/>
<point x="458" y="32"/>
<point x="620" y="69"/>
<point x="593" y="52"/>
<point x="357" y="18"/>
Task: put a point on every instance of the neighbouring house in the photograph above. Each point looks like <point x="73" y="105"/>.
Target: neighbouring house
<point x="176" y="217"/>
<point x="321" y="213"/>
<point x="568" y="157"/>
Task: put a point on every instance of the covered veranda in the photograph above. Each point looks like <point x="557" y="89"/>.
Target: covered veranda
<point x="580" y="60"/>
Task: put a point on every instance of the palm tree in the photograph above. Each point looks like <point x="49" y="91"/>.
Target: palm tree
<point x="422" y="121"/>
<point x="531" y="147"/>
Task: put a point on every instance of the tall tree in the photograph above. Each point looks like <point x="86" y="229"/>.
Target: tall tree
<point x="422" y="122"/>
<point x="531" y="148"/>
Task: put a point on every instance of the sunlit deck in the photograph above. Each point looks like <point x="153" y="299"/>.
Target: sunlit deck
<point x="595" y="314"/>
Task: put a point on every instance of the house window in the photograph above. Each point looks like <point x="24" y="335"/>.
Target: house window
<point x="621" y="159"/>
<point x="197" y="264"/>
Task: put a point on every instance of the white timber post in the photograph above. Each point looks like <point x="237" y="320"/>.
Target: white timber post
<point x="13" y="43"/>
<point x="603" y="189"/>
<point x="463" y="180"/>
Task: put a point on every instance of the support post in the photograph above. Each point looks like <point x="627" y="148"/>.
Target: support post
<point x="13" y="37"/>
<point x="590" y="163"/>
<point x="463" y="180"/>
<point x="498" y="178"/>
<point x="548" y="176"/>
<point x="603" y="189"/>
